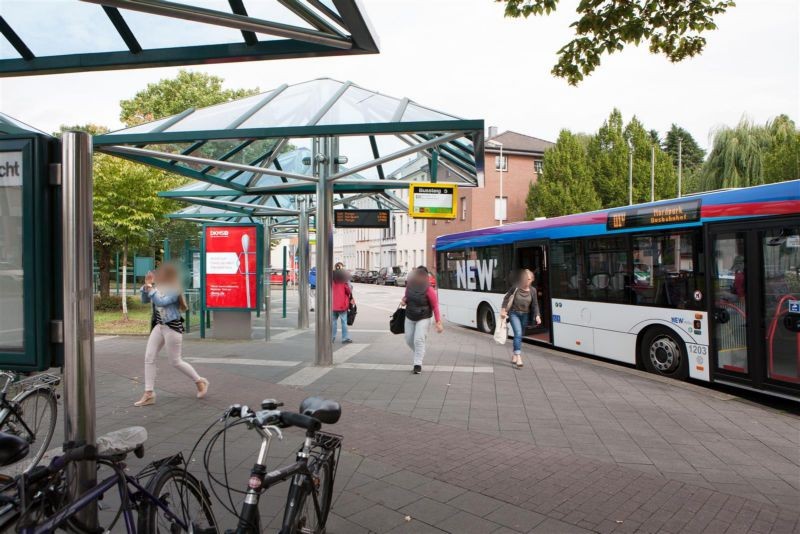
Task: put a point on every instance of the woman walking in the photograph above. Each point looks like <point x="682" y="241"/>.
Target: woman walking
<point x="167" y="331"/>
<point x="342" y="297"/>
<point x="518" y="305"/>
<point x="421" y="304"/>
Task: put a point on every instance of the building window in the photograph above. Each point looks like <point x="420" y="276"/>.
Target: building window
<point x="497" y="165"/>
<point x="538" y="165"/>
<point x="463" y="208"/>
<point x="500" y="208"/>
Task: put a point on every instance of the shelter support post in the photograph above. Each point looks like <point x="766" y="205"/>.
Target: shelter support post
<point x="79" y="378"/>
<point x="325" y="151"/>
<point x="267" y="259"/>
<point x="285" y="281"/>
<point x="302" y="275"/>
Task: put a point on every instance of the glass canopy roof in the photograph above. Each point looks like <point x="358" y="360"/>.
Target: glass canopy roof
<point x="229" y="205"/>
<point x="48" y="36"/>
<point x="219" y="143"/>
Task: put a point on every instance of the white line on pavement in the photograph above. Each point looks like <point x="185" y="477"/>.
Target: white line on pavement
<point x="103" y="338"/>
<point x="309" y="375"/>
<point x="246" y="361"/>
<point x="404" y="367"/>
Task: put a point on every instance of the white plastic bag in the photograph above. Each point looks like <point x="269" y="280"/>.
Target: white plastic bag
<point x="501" y="332"/>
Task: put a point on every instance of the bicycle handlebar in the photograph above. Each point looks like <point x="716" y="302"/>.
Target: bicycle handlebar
<point x="76" y="454"/>
<point x="275" y="417"/>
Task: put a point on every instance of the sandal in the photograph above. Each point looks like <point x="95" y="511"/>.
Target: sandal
<point x="147" y="399"/>
<point x="202" y="387"/>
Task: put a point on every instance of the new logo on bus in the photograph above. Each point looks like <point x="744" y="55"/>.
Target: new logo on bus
<point x="475" y="274"/>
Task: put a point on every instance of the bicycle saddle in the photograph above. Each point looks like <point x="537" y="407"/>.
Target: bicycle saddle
<point x="121" y="441"/>
<point x="325" y="411"/>
<point x="12" y="449"/>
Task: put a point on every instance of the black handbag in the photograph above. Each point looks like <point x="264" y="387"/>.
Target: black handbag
<point x="352" y="311"/>
<point x="397" y="322"/>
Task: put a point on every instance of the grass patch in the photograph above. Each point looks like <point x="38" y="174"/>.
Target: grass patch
<point x="111" y="322"/>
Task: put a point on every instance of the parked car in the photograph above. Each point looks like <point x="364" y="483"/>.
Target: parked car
<point x="387" y="277"/>
<point x="401" y="279"/>
<point x="357" y="275"/>
<point x="369" y="277"/>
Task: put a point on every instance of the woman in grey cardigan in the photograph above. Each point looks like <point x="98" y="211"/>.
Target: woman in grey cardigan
<point x="519" y="304"/>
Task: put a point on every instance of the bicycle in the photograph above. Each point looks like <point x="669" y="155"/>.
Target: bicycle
<point x="37" y="502"/>
<point x="308" y="502"/>
<point x="31" y="414"/>
<point x="172" y="500"/>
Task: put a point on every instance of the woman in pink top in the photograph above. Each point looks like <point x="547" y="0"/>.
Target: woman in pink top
<point x="421" y="304"/>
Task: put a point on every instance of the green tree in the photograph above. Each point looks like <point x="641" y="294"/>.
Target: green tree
<point x="565" y="185"/>
<point x="691" y="154"/>
<point x="671" y="27"/>
<point x="646" y="150"/>
<point x="782" y="158"/>
<point x="736" y="156"/>
<point x="608" y="157"/>
<point x="173" y="95"/>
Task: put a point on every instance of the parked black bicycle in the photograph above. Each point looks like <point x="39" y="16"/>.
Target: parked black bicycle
<point x="166" y="497"/>
<point x="308" y="502"/>
<point x="29" y="409"/>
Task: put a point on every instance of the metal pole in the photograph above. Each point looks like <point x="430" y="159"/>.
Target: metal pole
<point x="680" y="165"/>
<point x="302" y="245"/>
<point x="79" y="387"/>
<point x="325" y="150"/>
<point x="652" y="173"/>
<point x="167" y="250"/>
<point x="630" y="176"/>
<point x="502" y="205"/>
<point x="267" y="259"/>
<point x="116" y="268"/>
<point x="285" y="275"/>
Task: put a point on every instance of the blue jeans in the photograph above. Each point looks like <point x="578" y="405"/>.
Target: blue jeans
<point x="340" y="316"/>
<point x="518" y="323"/>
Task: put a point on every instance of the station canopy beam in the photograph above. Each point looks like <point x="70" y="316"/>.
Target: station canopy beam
<point x="123" y="34"/>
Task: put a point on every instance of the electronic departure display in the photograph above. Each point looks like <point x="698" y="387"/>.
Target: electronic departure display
<point x="672" y="213"/>
<point x="361" y="218"/>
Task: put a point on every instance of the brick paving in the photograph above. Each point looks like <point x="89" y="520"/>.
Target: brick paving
<point x="563" y="445"/>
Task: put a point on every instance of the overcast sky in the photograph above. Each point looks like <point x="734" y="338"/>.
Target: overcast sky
<point x="465" y="58"/>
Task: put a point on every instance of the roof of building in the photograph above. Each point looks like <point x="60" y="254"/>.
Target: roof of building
<point x="517" y="142"/>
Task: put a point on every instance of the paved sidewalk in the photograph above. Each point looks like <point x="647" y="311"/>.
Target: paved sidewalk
<point x="565" y="444"/>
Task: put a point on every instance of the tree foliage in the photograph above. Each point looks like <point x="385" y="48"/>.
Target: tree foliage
<point x="692" y="155"/>
<point x="565" y="185"/>
<point x="782" y="159"/>
<point x="673" y="28"/>
<point x="173" y="95"/>
<point x="736" y="156"/>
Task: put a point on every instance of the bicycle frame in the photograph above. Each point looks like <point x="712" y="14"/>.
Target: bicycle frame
<point x="90" y="497"/>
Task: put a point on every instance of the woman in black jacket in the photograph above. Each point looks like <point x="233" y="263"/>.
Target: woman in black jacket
<point x="518" y="305"/>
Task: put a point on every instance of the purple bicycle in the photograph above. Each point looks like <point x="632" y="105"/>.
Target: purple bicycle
<point x="36" y="502"/>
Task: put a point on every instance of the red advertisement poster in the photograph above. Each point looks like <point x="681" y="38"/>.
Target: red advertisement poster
<point x="231" y="267"/>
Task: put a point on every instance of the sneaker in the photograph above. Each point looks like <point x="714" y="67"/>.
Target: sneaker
<point x="417" y="369"/>
<point x="346" y="341"/>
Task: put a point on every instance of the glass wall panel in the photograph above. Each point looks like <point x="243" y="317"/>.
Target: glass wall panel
<point x="11" y="272"/>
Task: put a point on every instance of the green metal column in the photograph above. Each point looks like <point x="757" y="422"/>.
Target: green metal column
<point x="167" y="251"/>
<point x="284" y="281"/>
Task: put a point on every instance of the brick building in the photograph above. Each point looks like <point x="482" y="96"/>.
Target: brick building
<point x="480" y="207"/>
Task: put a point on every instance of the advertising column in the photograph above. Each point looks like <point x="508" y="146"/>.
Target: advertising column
<point x="231" y="284"/>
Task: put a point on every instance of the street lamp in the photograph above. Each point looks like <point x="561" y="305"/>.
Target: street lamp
<point x="630" y="172"/>
<point x="502" y="164"/>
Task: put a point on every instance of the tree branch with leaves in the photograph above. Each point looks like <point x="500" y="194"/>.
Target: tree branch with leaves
<point x="673" y="28"/>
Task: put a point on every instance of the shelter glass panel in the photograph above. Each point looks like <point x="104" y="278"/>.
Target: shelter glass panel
<point x="11" y="271"/>
<point x="296" y="105"/>
<point x="358" y="106"/>
<point x="166" y="32"/>
<point x="216" y="117"/>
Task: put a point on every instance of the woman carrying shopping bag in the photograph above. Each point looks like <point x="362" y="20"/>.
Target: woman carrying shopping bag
<point x="167" y="330"/>
<point x="519" y="304"/>
<point x="421" y="305"/>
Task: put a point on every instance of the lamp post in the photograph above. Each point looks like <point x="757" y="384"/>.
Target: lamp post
<point x="630" y="172"/>
<point x="502" y="164"/>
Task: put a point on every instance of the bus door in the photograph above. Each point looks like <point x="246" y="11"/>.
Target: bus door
<point x="533" y="255"/>
<point x="755" y="303"/>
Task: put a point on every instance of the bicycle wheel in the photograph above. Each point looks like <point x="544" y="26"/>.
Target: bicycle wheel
<point x="34" y="420"/>
<point x="303" y="519"/>
<point x="184" y="496"/>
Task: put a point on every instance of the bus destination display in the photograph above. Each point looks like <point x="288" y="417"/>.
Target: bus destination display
<point x="673" y="213"/>
<point x="361" y="218"/>
<point x="432" y="201"/>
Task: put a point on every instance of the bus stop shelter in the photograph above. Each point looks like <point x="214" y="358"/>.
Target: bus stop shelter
<point x="349" y="130"/>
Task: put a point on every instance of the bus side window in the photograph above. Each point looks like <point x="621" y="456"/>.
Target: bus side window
<point x="566" y="269"/>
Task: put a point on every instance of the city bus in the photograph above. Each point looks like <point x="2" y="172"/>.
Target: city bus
<point x="704" y="286"/>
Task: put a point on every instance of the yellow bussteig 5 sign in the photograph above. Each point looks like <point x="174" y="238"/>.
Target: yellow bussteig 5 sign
<point x="432" y="201"/>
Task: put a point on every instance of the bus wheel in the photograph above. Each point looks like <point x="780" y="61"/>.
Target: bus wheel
<point x="486" y="320"/>
<point x="664" y="353"/>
